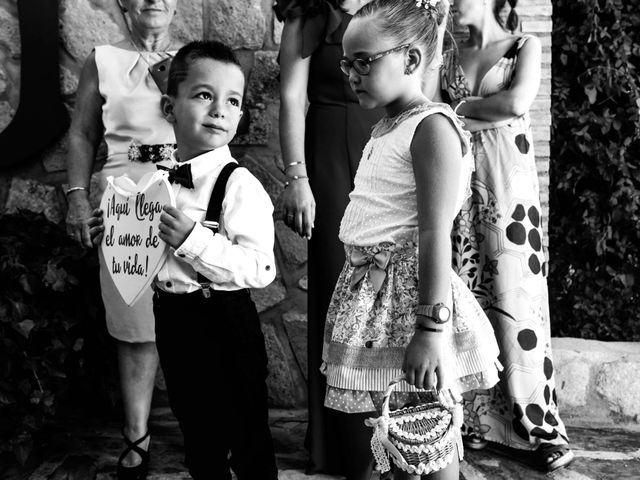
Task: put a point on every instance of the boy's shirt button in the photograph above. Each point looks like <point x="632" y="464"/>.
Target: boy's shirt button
<point x="268" y="267"/>
<point x="169" y="284"/>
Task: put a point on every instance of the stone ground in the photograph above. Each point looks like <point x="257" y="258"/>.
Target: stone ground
<point x="86" y="450"/>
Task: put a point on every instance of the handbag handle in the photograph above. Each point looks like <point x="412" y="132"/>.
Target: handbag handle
<point x="391" y="388"/>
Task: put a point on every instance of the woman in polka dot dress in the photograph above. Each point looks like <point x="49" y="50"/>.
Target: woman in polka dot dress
<point x="491" y="81"/>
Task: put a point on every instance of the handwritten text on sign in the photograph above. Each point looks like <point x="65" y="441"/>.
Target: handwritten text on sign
<point x="131" y="247"/>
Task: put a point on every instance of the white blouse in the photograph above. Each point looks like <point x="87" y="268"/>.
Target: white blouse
<point x="383" y="203"/>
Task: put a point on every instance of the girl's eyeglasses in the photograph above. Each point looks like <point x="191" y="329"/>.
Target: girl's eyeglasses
<point x="362" y="66"/>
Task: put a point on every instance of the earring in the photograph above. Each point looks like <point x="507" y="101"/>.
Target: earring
<point x="407" y="70"/>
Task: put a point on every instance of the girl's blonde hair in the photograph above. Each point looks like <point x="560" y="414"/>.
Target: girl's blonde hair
<point x="409" y="21"/>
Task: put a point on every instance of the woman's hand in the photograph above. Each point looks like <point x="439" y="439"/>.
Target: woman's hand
<point x="77" y="217"/>
<point x="423" y="363"/>
<point x="299" y="207"/>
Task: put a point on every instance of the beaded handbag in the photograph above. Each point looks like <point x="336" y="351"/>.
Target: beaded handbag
<point x="420" y="439"/>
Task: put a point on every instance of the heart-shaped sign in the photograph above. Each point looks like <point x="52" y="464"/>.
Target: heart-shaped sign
<point x="132" y="249"/>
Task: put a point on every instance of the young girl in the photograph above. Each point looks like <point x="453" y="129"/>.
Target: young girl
<point x="391" y="310"/>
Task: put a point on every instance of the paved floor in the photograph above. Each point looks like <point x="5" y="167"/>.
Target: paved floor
<point x="82" y="450"/>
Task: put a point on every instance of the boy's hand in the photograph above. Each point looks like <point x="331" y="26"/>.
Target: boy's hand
<point x="175" y="226"/>
<point x="96" y="227"/>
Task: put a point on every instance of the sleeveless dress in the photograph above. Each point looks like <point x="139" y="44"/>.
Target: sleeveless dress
<point x="336" y="130"/>
<point x="371" y="317"/>
<point x="137" y="136"/>
<point x="497" y="243"/>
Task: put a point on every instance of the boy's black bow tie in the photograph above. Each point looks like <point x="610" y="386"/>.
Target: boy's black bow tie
<point x="179" y="174"/>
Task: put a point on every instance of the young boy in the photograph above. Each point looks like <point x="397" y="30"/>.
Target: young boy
<point x="208" y="333"/>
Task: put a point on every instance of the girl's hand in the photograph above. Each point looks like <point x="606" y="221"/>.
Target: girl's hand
<point x="77" y="218"/>
<point x="299" y="207"/>
<point x="95" y="227"/>
<point x="175" y="226"/>
<point x="423" y="364"/>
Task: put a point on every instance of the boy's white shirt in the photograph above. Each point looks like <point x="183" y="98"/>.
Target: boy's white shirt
<point x="240" y="255"/>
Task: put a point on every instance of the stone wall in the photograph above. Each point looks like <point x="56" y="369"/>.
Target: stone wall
<point x="38" y="186"/>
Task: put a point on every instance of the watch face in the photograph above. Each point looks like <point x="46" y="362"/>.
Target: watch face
<point x="443" y="314"/>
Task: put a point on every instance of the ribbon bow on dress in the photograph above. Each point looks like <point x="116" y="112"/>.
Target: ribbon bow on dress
<point x="374" y="262"/>
<point x="179" y="174"/>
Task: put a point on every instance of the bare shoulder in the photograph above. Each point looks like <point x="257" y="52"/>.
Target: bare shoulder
<point x="436" y="132"/>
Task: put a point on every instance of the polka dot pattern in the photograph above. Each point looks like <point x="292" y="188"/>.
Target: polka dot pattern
<point x="527" y="339"/>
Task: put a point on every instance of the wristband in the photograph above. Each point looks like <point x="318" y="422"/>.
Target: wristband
<point x="75" y="189"/>
<point x="424" y="328"/>
<point x="455" y="110"/>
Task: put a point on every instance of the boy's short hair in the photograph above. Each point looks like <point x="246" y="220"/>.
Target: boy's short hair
<point x="193" y="51"/>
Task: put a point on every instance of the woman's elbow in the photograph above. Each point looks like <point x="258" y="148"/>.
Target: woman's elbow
<point x="518" y="106"/>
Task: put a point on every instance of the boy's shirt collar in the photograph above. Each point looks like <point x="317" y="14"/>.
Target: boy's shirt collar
<point x="202" y="164"/>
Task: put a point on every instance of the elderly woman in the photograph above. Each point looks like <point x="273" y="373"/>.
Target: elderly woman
<point x="497" y="239"/>
<point x="118" y="99"/>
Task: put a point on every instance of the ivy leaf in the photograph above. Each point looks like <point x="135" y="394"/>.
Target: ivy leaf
<point x="591" y="93"/>
<point x="24" y="327"/>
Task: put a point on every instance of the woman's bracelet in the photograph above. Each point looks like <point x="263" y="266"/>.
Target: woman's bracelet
<point x="294" y="177"/>
<point x="293" y="164"/>
<point x="75" y="189"/>
<point x="455" y="110"/>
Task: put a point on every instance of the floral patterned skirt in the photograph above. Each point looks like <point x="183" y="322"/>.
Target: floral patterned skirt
<point x="371" y="320"/>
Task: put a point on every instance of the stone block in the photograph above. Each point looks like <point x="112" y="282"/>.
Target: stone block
<point x="188" y="23"/>
<point x="264" y="84"/>
<point x="572" y="382"/>
<point x="54" y="158"/>
<point x="295" y="324"/>
<point x="86" y="24"/>
<point x="6" y="114"/>
<point x="282" y="387"/>
<point x="68" y="81"/>
<point x="269" y="296"/>
<point x="303" y="283"/>
<point x="294" y="247"/>
<point x="257" y="167"/>
<point x="9" y="29"/>
<point x="34" y="196"/>
<point x="262" y="118"/>
<point x="277" y="30"/>
<point x="238" y="23"/>
<point x="616" y="382"/>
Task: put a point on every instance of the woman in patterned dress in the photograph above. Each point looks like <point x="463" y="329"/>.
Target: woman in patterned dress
<point x="491" y="81"/>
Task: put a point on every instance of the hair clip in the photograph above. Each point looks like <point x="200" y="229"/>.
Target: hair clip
<point x="427" y="4"/>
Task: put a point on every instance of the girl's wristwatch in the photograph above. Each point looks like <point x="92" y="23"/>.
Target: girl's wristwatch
<point x="439" y="312"/>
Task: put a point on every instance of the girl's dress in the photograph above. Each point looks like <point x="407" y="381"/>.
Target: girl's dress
<point x="497" y="243"/>
<point x="371" y="316"/>
<point x="336" y="130"/>
<point x="137" y="136"/>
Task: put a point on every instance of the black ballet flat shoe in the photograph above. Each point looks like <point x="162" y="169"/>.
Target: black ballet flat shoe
<point x="137" y="472"/>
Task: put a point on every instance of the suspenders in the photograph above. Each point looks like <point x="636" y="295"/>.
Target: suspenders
<point x="212" y="218"/>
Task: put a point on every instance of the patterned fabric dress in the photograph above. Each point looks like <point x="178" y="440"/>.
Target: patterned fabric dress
<point x="497" y="243"/>
<point x="372" y="315"/>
